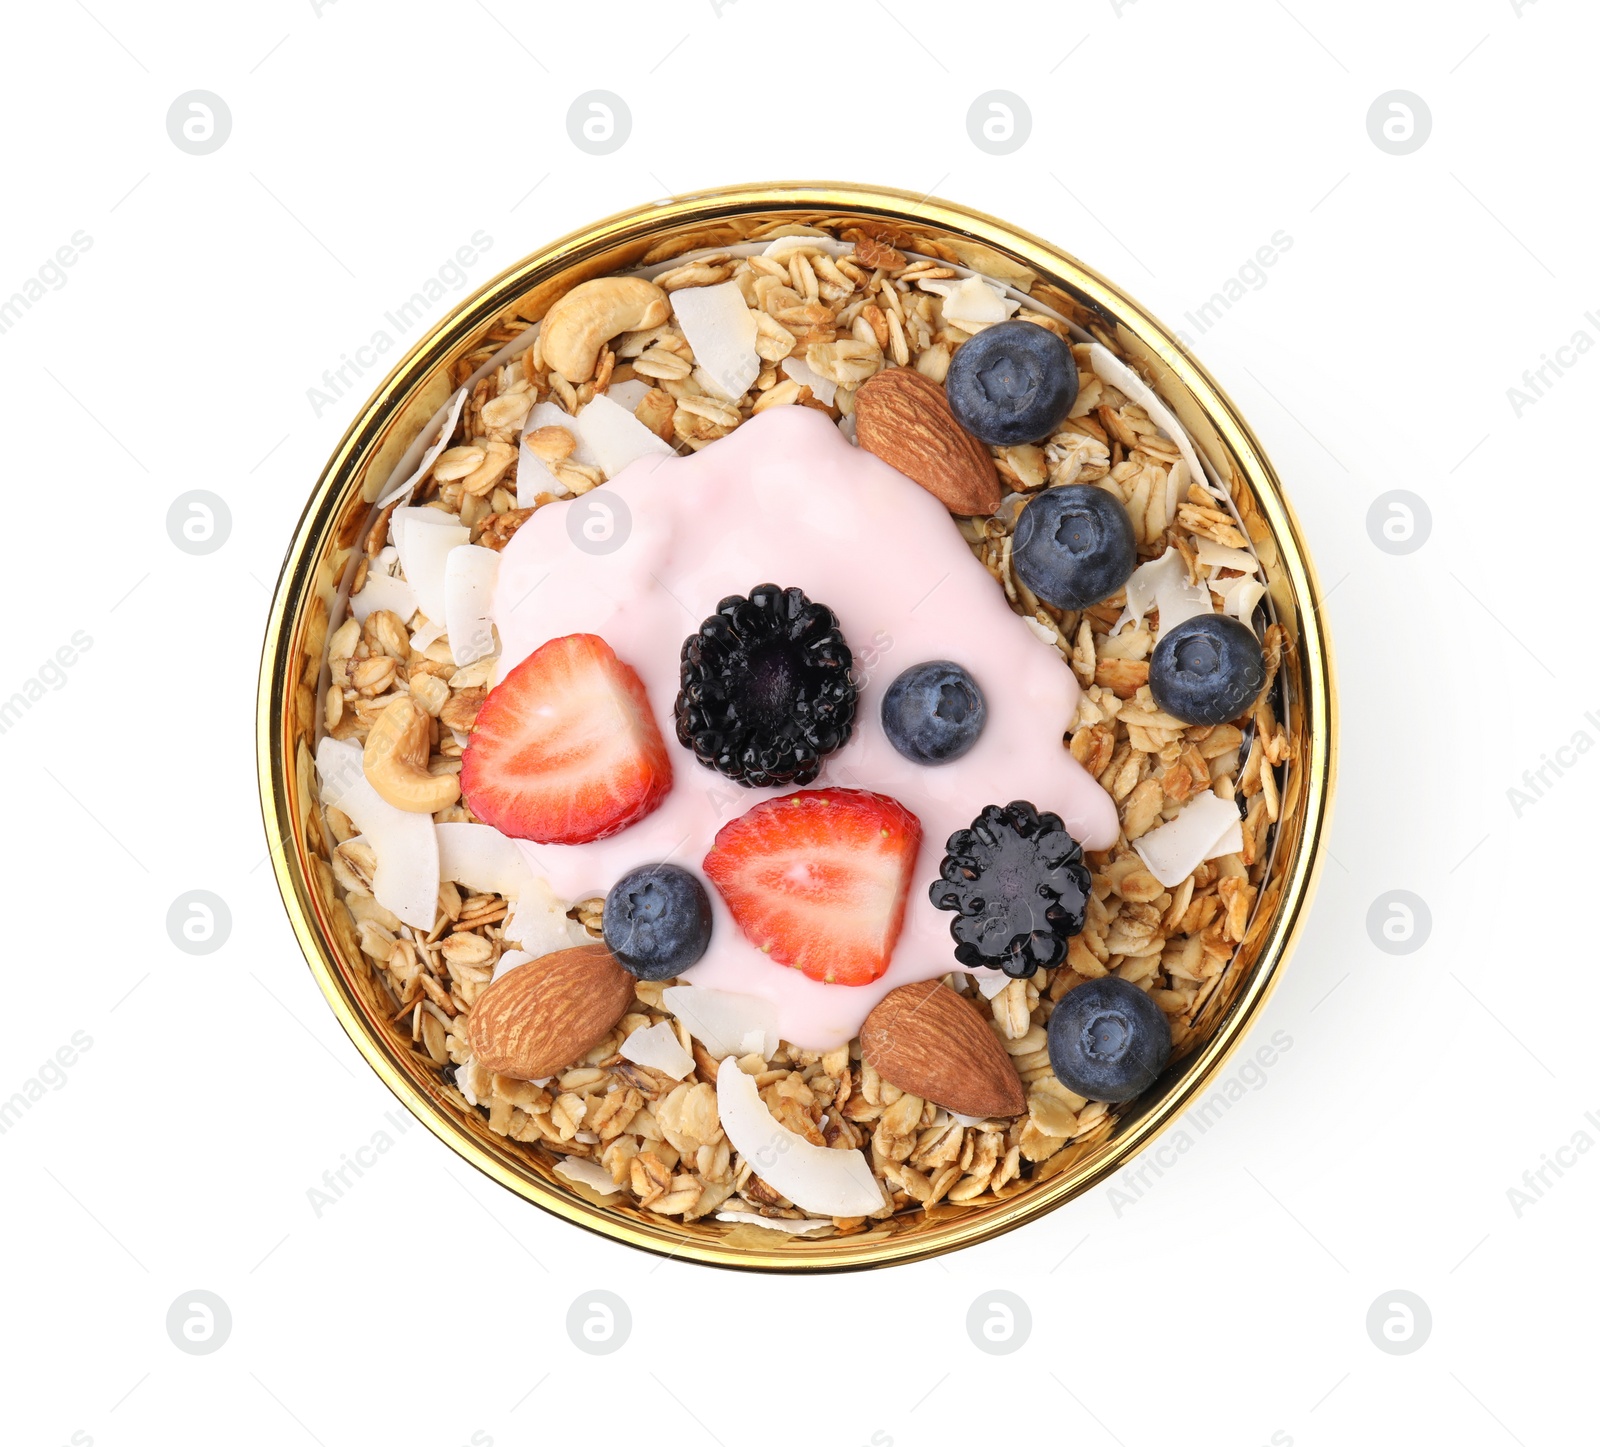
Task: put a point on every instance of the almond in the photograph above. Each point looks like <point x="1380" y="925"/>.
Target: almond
<point x="929" y="1041"/>
<point x="904" y="418"/>
<point x="546" y="1014"/>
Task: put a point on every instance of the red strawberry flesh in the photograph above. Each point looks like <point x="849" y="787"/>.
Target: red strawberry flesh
<point x="565" y="749"/>
<point x="818" y="880"/>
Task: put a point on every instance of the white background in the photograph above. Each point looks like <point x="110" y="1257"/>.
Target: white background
<point x="1228" y="1302"/>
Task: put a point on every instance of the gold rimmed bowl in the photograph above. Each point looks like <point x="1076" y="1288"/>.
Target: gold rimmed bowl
<point x="385" y="440"/>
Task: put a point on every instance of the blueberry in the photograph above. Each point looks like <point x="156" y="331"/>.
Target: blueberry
<point x="1013" y="382"/>
<point x="1207" y="670"/>
<point x="1108" y="1040"/>
<point x="1074" y="545"/>
<point x="657" y="921"/>
<point x="934" y="712"/>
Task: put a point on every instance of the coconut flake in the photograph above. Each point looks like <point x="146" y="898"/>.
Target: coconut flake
<point x="1140" y="589"/>
<point x="426" y="633"/>
<point x="614" y="437"/>
<point x="721" y="331"/>
<point x="816" y="1178"/>
<point x="533" y="477"/>
<point x="973" y="299"/>
<point x="797" y="370"/>
<point x="406" y="880"/>
<point x="1173" y="851"/>
<point x="1214" y="555"/>
<point x="538" y="921"/>
<point x="1178" y="600"/>
<point x="1043" y="633"/>
<point x="1112" y="369"/>
<point x="773" y="1223"/>
<point x="658" y="1048"/>
<point x="382" y="591"/>
<point x="509" y="961"/>
<point x="606" y="435"/>
<point x="991" y="983"/>
<point x="1232" y="841"/>
<point x="445" y="419"/>
<point x="723" y="1021"/>
<point x="785" y="244"/>
<point x="485" y="860"/>
<point x="1240" y="599"/>
<point x="759" y="1042"/>
<point x="547" y="414"/>
<point x="1163" y="583"/>
<point x="463" y="1079"/>
<point x="628" y="394"/>
<point x="469" y="579"/>
<point x="587" y="1173"/>
<point x="425" y="537"/>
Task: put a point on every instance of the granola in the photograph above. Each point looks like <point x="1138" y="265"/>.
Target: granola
<point x="826" y="318"/>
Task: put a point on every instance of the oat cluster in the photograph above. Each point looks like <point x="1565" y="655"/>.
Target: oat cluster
<point x="658" y="1140"/>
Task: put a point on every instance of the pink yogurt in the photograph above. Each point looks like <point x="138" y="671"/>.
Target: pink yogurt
<point x="786" y="499"/>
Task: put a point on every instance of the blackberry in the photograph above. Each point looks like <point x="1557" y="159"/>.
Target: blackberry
<point x="1018" y="884"/>
<point x="765" y="691"/>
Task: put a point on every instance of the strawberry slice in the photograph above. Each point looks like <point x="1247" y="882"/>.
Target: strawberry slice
<point x="818" y="879"/>
<point x="565" y="749"/>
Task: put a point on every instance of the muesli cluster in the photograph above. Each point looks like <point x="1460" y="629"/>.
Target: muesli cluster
<point x="1073" y="966"/>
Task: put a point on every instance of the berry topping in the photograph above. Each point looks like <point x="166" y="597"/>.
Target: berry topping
<point x="818" y="880"/>
<point x="1074" y="545"/>
<point x="1207" y="670"/>
<point x="1108" y="1039"/>
<point x="933" y="712"/>
<point x="565" y="748"/>
<point x="765" y="690"/>
<point x="1013" y="382"/>
<point x="1018" y="884"/>
<point x="657" y="921"/>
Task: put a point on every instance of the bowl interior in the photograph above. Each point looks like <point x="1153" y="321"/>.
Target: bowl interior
<point x="389" y="434"/>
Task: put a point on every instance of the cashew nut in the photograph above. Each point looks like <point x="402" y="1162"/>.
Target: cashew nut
<point x="395" y="761"/>
<point x="589" y="315"/>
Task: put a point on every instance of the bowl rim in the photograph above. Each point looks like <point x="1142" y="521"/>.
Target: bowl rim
<point x="296" y="586"/>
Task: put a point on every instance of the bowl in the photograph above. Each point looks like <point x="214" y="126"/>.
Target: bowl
<point x="389" y="433"/>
